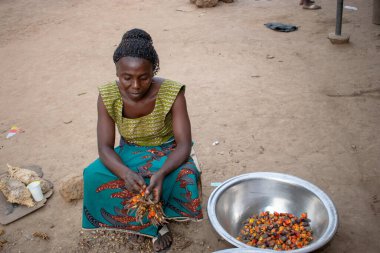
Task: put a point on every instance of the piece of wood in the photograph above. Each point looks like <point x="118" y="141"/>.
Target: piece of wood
<point x="11" y="212"/>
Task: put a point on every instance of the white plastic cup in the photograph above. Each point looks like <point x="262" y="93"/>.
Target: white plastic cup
<point x="36" y="191"/>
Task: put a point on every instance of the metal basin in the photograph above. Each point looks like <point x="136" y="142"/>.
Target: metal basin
<point x="240" y="197"/>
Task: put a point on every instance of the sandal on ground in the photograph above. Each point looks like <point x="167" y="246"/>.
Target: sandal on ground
<point x="311" y="7"/>
<point x="164" y="230"/>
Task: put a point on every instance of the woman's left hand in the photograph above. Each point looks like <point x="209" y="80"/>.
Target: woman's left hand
<point x="155" y="187"/>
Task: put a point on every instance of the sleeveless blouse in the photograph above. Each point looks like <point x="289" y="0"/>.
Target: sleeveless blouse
<point x="150" y="130"/>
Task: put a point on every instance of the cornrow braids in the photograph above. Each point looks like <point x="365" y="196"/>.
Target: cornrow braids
<point x="137" y="43"/>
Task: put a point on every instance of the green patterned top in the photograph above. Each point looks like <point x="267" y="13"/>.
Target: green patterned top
<point x="150" y="130"/>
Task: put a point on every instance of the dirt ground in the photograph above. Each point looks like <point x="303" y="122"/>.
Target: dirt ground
<point x="279" y="102"/>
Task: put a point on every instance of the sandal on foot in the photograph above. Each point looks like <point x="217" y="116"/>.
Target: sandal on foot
<point x="161" y="232"/>
<point x="311" y="7"/>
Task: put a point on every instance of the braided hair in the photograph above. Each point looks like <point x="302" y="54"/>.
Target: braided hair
<point x="137" y="43"/>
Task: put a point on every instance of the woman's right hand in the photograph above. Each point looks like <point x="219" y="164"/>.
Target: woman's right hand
<point x="134" y="182"/>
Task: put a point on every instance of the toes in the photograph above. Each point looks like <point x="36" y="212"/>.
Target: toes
<point x="140" y="239"/>
<point x="167" y="241"/>
<point x="162" y="243"/>
<point x="133" y="237"/>
<point x="157" y="246"/>
<point x="136" y="238"/>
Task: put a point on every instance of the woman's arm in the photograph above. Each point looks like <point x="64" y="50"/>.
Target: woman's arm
<point x="182" y="135"/>
<point x="107" y="154"/>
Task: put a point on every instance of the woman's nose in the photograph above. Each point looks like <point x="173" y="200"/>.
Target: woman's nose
<point x="136" y="84"/>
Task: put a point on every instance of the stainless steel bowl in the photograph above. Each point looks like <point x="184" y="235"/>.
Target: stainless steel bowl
<point x="240" y="197"/>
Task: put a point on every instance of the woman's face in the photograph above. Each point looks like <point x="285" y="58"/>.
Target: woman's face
<point x="135" y="76"/>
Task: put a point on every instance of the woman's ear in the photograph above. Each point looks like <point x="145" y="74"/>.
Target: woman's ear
<point x="117" y="70"/>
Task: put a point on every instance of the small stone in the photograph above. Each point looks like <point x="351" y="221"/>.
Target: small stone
<point x="71" y="187"/>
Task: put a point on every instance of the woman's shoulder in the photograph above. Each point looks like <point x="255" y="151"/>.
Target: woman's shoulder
<point x="108" y="87"/>
<point x="168" y="92"/>
<point x="109" y="93"/>
<point x="170" y="85"/>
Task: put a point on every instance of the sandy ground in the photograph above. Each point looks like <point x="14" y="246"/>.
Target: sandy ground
<point x="280" y="102"/>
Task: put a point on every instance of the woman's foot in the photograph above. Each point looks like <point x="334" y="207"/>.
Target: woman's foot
<point x="163" y="241"/>
<point x="309" y="5"/>
<point x="304" y="1"/>
<point x="137" y="238"/>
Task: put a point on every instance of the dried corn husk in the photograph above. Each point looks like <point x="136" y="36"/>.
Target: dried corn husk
<point x="24" y="175"/>
<point x="27" y="176"/>
<point x="16" y="192"/>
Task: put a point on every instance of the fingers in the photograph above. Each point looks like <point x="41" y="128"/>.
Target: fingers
<point x="133" y="184"/>
<point x="152" y="188"/>
<point x="136" y="188"/>
<point x="140" y="182"/>
<point x="136" y="183"/>
<point x="148" y="189"/>
<point x="152" y="185"/>
<point x="156" y="194"/>
<point x="128" y="184"/>
<point x="133" y="187"/>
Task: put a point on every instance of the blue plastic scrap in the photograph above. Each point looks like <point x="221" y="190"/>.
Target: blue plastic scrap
<point x="279" y="27"/>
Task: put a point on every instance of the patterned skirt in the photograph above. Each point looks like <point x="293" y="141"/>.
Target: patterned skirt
<point x="105" y="194"/>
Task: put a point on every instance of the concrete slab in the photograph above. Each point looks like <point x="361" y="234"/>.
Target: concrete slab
<point x="339" y="39"/>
